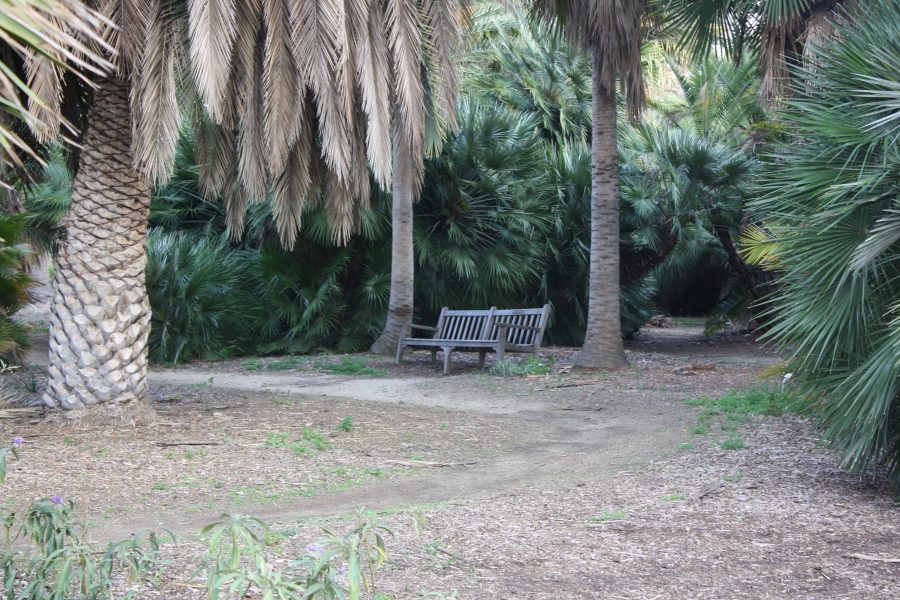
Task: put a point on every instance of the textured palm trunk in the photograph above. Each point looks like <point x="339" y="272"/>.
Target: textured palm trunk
<point x="603" y="340"/>
<point x="100" y="310"/>
<point x="400" y="305"/>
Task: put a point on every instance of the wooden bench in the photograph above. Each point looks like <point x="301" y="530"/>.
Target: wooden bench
<point x="500" y="331"/>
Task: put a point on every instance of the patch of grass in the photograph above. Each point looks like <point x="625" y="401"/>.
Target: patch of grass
<point x="276" y="439"/>
<point x="735" y="442"/>
<point x="674" y="498"/>
<point x="315" y="437"/>
<point x="685" y="447"/>
<point x="759" y="401"/>
<point x="160" y="486"/>
<point x="285" y="364"/>
<point x="616" y="515"/>
<point x="532" y="366"/>
<point x="252" y="364"/>
<point x="443" y="426"/>
<point x="282" y="401"/>
<point x="346" y="424"/>
<point x="101" y="452"/>
<point x="700" y="429"/>
<point x="734" y="478"/>
<point x="350" y="365"/>
<point x="68" y="440"/>
<point x="299" y="448"/>
<point x="729" y="426"/>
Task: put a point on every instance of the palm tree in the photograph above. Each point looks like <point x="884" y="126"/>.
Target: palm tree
<point x="296" y="94"/>
<point x="612" y="31"/>
<point x="436" y="108"/>
<point x="778" y="31"/>
<point x="832" y="232"/>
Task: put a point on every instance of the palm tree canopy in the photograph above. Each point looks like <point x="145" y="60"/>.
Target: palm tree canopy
<point x="612" y="30"/>
<point x="287" y="95"/>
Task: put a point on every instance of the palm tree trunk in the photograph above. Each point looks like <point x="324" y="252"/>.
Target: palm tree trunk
<point x="400" y="305"/>
<point x="100" y="310"/>
<point x="603" y="340"/>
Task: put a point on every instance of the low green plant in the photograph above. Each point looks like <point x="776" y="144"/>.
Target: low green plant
<point x="336" y="567"/>
<point x="350" y="366"/>
<point x="316" y="438"/>
<point x="276" y="439"/>
<point x="616" y="515"/>
<point x="674" y="498"/>
<point x="252" y="364"/>
<point x="66" y="565"/>
<point x="532" y="366"/>
<point x="346" y="424"/>
<point x="734" y="478"/>
<point x="735" y="442"/>
<point x="284" y="364"/>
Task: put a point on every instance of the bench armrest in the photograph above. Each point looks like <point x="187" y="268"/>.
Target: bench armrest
<point x="514" y="326"/>
<point x="425" y="327"/>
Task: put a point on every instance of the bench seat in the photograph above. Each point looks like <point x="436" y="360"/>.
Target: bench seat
<point x="500" y="331"/>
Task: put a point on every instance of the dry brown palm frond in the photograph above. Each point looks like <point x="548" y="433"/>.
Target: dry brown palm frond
<point x="290" y="191"/>
<point x="212" y="29"/>
<point x="443" y="18"/>
<point x="280" y="82"/>
<point x="155" y="111"/>
<point x="374" y="72"/>
<point x="317" y="36"/>
<point x="50" y="38"/>
<point x="339" y="207"/>
<point x="45" y="81"/>
<point x="215" y="156"/>
<point x="249" y="69"/>
<point x="403" y="29"/>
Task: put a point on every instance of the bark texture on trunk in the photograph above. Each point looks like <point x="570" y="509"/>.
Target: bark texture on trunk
<point x="100" y="311"/>
<point x="400" y="305"/>
<point x="603" y="339"/>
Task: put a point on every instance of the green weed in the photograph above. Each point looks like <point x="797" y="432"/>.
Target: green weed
<point x="346" y="424"/>
<point x="674" y="498"/>
<point x="616" y="515"/>
<point x="532" y="366"/>
<point x="349" y="365"/>
<point x="735" y="442"/>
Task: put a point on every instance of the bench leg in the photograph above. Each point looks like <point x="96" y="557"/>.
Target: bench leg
<point x="400" y="349"/>
<point x="481" y="358"/>
<point x="446" y="350"/>
<point x="501" y="352"/>
<point x="434" y="356"/>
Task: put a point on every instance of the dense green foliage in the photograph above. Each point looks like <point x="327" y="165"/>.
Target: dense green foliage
<point x="15" y="284"/>
<point x="833" y="220"/>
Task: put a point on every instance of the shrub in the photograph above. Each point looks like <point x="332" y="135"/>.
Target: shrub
<point x="197" y="288"/>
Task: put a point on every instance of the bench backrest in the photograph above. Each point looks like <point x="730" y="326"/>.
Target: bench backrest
<point x="527" y="317"/>
<point x="482" y="324"/>
<point x="464" y="324"/>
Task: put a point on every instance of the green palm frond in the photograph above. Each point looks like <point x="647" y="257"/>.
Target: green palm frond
<point x="830" y="200"/>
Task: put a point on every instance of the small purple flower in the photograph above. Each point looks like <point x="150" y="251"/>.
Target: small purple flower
<point x="17" y="441"/>
<point x="56" y="500"/>
<point x="341" y="576"/>
<point x="315" y="549"/>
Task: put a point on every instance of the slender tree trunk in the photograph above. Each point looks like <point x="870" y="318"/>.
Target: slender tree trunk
<point x="100" y="310"/>
<point x="603" y="340"/>
<point x="400" y="305"/>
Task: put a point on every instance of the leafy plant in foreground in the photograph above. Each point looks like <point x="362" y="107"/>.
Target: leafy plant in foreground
<point x="832" y="231"/>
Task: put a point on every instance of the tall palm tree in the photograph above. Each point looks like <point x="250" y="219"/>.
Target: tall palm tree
<point x="437" y="108"/>
<point x="299" y="95"/>
<point x="611" y="29"/>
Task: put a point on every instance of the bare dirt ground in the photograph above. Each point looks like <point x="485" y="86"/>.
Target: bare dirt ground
<point x="567" y="485"/>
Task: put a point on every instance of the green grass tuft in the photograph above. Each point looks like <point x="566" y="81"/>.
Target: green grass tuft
<point x="532" y="366"/>
<point x="350" y="366"/>
<point x="616" y="515"/>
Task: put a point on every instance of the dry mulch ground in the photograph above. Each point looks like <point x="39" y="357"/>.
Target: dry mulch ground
<point x="569" y="485"/>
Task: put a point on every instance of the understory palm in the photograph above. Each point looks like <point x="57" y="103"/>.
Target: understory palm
<point x="832" y="232"/>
